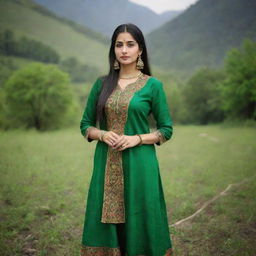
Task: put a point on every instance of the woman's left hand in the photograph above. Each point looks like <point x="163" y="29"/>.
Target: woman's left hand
<point x="125" y="141"/>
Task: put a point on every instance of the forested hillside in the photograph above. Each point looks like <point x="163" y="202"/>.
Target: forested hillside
<point x="203" y="34"/>
<point x="26" y="18"/>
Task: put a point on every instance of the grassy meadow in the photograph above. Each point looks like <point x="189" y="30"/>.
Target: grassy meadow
<point x="45" y="177"/>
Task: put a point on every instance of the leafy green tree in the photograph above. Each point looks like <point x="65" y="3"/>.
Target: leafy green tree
<point x="38" y="96"/>
<point x="7" y="67"/>
<point x="177" y="106"/>
<point x="201" y="97"/>
<point x="238" y="91"/>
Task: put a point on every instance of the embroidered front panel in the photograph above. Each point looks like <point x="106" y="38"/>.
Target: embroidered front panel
<point x="113" y="210"/>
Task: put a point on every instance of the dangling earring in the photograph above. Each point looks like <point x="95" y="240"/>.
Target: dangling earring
<point x="116" y="65"/>
<point x="140" y="63"/>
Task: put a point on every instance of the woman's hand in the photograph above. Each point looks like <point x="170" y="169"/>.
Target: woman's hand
<point x="125" y="141"/>
<point x="110" y="138"/>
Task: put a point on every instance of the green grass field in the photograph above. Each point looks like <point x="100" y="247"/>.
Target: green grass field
<point x="45" y="177"/>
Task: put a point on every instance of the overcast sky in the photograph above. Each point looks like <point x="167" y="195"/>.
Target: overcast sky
<point x="165" y="5"/>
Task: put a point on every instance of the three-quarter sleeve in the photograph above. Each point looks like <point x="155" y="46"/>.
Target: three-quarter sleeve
<point x="89" y="116"/>
<point x="160" y="110"/>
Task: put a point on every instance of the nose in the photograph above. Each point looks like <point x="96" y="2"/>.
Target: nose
<point x="124" y="48"/>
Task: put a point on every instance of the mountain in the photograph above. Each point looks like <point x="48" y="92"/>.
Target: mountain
<point x="26" y="18"/>
<point x="104" y="15"/>
<point x="202" y="34"/>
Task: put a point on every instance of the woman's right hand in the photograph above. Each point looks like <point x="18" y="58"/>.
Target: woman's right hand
<point x="110" y="137"/>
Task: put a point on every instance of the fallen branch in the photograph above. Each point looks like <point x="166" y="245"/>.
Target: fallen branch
<point x="212" y="200"/>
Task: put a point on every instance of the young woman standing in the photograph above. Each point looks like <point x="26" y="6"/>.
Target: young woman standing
<point x="126" y="211"/>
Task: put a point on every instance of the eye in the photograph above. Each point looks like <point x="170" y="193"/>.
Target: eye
<point x="131" y="44"/>
<point x="118" y="45"/>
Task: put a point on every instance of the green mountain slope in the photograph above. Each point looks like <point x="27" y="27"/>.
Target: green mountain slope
<point x="57" y="33"/>
<point x="90" y="13"/>
<point x="202" y="35"/>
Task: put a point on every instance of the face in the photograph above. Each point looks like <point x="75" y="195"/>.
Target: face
<point x="126" y="49"/>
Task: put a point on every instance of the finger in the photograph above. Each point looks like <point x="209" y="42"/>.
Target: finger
<point x="123" y="141"/>
<point x="116" y="139"/>
<point x="119" y="143"/>
<point x="123" y="147"/>
<point x="111" y="140"/>
<point x="114" y="135"/>
<point x="110" y="137"/>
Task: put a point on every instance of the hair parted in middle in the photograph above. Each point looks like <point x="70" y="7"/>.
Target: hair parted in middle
<point x="109" y="82"/>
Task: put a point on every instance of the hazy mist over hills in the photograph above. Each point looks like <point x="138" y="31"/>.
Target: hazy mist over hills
<point x="104" y="16"/>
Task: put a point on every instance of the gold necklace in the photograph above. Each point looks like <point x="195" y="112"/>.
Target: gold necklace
<point x="130" y="77"/>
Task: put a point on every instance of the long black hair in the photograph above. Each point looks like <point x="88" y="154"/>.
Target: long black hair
<point x="109" y="82"/>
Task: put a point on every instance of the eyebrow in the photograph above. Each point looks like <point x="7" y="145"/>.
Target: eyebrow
<point x="127" y="41"/>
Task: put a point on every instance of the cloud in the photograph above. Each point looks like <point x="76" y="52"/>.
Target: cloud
<point x="165" y="5"/>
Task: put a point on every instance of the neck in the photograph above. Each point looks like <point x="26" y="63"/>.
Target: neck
<point x="128" y="70"/>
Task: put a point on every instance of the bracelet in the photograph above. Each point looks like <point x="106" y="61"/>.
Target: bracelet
<point x="140" y="140"/>
<point x="102" y="135"/>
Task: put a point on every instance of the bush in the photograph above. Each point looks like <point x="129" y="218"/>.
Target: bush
<point x="238" y="91"/>
<point x="202" y="97"/>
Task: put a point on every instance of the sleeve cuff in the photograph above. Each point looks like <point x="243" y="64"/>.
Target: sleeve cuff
<point x="161" y="138"/>
<point x="86" y="135"/>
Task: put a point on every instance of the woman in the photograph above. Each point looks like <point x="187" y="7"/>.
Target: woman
<point x="126" y="211"/>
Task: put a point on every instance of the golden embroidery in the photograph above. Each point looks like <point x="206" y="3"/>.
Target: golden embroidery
<point x="161" y="137"/>
<point x="169" y="252"/>
<point x="107" y="251"/>
<point x="99" y="251"/>
<point x="116" y="111"/>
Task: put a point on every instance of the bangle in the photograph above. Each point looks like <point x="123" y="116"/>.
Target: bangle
<point x="140" y="140"/>
<point x="102" y="135"/>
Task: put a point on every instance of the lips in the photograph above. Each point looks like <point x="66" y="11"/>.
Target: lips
<point x="124" y="57"/>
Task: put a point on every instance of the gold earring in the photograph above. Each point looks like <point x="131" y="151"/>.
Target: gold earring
<point x="116" y="65"/>
<point x="140" y="63"/>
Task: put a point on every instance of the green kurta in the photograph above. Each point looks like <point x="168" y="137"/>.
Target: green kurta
<point x="126" y="212"/>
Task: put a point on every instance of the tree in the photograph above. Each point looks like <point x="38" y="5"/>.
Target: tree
<point x="38" y="96"/>
<point x="27" y="48"/>
<point x="201" y="97"/>
<point x="7" y="44"/>
<point x="7" y="67"/>
<point x="238" y="91"/>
